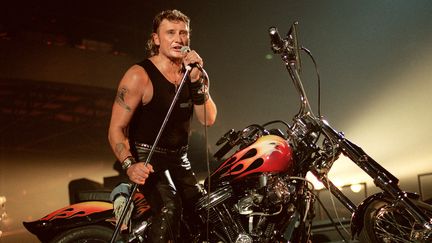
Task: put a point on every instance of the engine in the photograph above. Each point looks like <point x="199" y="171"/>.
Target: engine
<point x="250" y="211"/>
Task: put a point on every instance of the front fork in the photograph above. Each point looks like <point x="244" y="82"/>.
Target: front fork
<point x="357" y="212"/>
<point x="303" y="212"/>
<point x="382" y="178"/>
<point x="386" y="181"/>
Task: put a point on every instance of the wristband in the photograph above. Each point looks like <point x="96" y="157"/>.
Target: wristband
<point x="199" y="92"/>
<point x="128" y="162"/>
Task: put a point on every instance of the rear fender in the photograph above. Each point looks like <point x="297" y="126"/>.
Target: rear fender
<point x="358" y="216"/>
<point x="75" y="215"/>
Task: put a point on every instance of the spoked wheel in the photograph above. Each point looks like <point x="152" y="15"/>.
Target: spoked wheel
<point x="85" y="234"/>
<point x="386" y="223"/>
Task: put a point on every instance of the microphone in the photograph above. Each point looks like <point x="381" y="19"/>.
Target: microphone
<point x="185" y="49"/>
<point x="277" y="44"/>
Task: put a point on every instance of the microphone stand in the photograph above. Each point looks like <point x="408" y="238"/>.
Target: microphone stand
<point x="135" y="186"/>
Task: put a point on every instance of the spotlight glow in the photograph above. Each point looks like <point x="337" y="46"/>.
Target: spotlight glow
<point x="356" y="188"/>
<point x="393" y="127"/>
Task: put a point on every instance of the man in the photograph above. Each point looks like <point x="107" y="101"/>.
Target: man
<point x="144" y="96"/>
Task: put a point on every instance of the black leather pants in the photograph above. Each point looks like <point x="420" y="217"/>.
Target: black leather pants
<point x="170" y="189"/>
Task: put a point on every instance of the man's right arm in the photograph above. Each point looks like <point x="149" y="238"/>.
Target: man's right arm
<point x="129" y="95"/>
<point x="127" y="99"/>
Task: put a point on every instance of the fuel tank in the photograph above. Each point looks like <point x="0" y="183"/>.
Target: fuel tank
<point x="269" y="154"/>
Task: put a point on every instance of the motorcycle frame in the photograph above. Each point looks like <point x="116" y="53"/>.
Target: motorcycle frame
<point x="381" y="177"/>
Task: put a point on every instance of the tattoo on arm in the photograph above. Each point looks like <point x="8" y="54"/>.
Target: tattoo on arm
<point x="120" y="148"/>
<point x="120" y="98"/>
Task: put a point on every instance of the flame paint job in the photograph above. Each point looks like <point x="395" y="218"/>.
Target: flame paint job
<point x="78" y="210"/>
<point x="141" y="204"/>
<point x="269" y="154"/>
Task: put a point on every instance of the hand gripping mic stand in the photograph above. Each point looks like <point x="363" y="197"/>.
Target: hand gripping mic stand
<point x="135" y="186"/>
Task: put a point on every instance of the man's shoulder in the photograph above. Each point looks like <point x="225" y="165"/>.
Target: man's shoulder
<point x="136" y="70"/>
<point x="136" y="73"/>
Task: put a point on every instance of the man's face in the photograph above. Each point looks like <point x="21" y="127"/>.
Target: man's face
<point x="171" y="36"/>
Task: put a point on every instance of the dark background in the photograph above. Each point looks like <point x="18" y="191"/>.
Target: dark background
<point x="60" y="62"/>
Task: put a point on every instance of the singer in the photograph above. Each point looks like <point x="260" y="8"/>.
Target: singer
<point x="144" y="96"/>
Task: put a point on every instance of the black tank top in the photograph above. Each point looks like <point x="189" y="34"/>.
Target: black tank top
<point x="147" y="119"/>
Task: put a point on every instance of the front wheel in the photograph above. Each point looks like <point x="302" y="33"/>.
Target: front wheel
<point x="384" y="222"/>
<point x="85" y="234"/>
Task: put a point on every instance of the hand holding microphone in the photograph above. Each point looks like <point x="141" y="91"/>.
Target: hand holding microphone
<point x="191" y="60"/>
<point x="198" y="76"/>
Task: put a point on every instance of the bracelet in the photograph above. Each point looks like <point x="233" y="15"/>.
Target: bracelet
<point x="128" y="162"/>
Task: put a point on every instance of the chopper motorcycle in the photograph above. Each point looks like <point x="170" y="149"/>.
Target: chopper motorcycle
<point x="260" y="192"/>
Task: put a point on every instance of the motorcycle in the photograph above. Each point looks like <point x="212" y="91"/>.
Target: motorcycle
<point x="261" y="193"/>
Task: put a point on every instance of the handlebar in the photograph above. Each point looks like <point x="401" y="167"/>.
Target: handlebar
<point x="290" y="54"/>
<point x="241" y="138"/>
<point x="305" y="132"/>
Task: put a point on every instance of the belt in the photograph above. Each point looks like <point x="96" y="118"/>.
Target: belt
<point x="181" y="150"/>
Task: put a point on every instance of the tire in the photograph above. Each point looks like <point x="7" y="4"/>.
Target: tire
<point x="85" y="234"/>
<point x="386" y="223"/>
